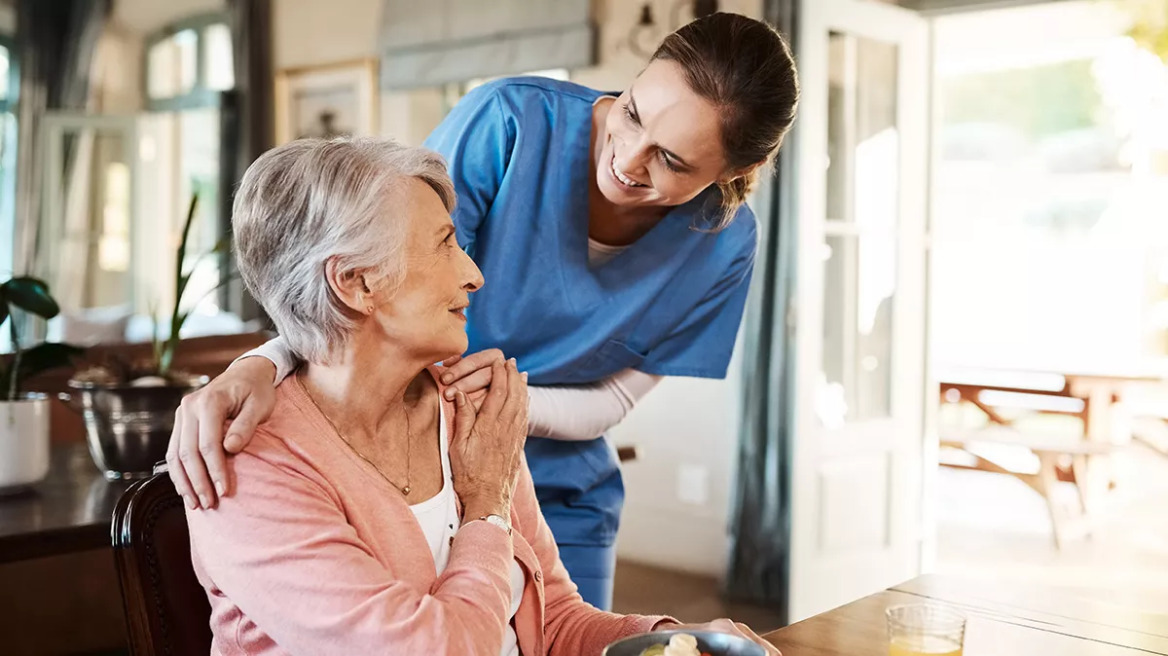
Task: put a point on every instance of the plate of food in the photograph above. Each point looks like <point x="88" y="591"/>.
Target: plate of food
<point x="684" y="643"/>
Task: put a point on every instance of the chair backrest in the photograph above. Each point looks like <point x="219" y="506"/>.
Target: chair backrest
<point x="166" y="608"/>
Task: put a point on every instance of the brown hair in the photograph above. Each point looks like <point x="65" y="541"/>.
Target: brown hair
<point x="745" y="68"/>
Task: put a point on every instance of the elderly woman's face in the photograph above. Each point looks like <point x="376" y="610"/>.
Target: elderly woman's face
<point x="426" y="313"/>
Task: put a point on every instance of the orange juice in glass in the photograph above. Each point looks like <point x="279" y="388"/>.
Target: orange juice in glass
<point x="924" y="630"/>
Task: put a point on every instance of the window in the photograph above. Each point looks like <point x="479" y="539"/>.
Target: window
<point x="171" y="67"/>
<point x="4" y="66"/>
<point x="217" y="62"/>
<point x="8" y="93"/>
<point x="1049" y="235"/>
<point x="188" y="64"/>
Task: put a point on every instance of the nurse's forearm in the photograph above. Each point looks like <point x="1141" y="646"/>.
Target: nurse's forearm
<point x="280" y="355"/>
<point x="585" y="412"/>
<point x="560" y="412"/>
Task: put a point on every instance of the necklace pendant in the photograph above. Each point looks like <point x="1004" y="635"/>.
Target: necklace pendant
<point x="406" y="490"/>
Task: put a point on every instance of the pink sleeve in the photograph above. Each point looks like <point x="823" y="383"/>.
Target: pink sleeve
<point x="281" y="550"/>
<point x="572" y="626"/>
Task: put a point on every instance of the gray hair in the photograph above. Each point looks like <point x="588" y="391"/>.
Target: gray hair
<point x="310" y="200"/>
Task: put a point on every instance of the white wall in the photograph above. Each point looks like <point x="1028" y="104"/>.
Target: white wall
<point x="685" y="428"/>
<point x="309" y="32"/>
<point x="684" y="423"/>
<point x="147" y="16"/>
<point x="619" y="64"/>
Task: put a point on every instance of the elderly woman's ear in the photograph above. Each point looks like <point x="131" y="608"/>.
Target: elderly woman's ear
<point x="349" y="286"/>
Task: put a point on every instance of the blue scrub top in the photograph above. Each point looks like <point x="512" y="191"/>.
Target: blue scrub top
<point x="519" y="153"/>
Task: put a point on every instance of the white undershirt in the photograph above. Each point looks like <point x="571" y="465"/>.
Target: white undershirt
<point x="439" y="520"/>
<point x="600" y="254"/>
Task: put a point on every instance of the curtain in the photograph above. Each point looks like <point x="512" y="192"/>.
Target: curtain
<point x="72" y="279"/>
<point x="56" y="40"/>
<point x="246" y="129"/>
<point x="760" y="518"/>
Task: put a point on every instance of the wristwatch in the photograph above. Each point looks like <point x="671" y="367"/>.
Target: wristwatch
<point x="496" y="521"/>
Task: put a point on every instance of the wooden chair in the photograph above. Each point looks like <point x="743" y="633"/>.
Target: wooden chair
<point x="166" y="608"/>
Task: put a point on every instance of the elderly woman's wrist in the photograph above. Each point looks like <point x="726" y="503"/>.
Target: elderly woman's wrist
<point x="477" y="507"/>
<point x="666" y="624"/>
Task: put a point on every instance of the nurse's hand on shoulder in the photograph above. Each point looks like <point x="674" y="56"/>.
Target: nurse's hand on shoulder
<point x="470" y="374"/>
<point x="196" y="456"/>
<point x="723" y="626"/>
<point x="487" y="448"/>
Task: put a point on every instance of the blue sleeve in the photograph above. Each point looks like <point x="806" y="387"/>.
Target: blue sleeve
<point x="476" y="138"/>
<point x="701" y="345"/>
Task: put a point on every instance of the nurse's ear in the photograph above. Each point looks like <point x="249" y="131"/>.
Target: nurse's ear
<point x="349" y="286"/>
<point x="746" y="173"/>
<point x="737" y="184"/>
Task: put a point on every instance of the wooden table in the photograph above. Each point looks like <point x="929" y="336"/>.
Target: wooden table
<point x="67" y="512"/>
<point x="55" y="551"/>
<point x="1002" y="620"/>
<point x="1089" y="395"/>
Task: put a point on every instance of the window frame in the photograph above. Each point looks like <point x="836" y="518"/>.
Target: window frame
<point x="9" y="105"/>
<point x="200" y="95"/>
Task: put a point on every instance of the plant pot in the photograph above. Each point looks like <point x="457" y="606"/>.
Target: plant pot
<point x="24" y="442"/>
<point x="128" y="427"/>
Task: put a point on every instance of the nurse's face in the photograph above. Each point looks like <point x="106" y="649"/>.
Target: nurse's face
<point x="426" y="313"/>
<point x="662" y="142"/>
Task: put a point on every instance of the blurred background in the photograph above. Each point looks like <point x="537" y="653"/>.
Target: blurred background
<point x="956" y="353"/>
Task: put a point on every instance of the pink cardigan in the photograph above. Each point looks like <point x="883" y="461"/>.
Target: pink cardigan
<point x="316" y="554"/>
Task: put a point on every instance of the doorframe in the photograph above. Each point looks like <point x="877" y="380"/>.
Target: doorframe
<point x="809" y="215"/>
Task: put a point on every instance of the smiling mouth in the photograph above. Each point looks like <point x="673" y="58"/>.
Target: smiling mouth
<point x="621" y="177"/>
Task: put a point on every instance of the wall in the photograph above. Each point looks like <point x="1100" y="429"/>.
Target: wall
<point x="619" y="64"/>
<point x="686" y="429"/>
<point x="146" y="16"/>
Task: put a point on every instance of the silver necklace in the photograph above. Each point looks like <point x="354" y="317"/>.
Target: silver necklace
<point x="404" y="489"/>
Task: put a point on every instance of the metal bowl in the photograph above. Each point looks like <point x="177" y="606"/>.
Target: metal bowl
<point x="709" y="642"/>
<point x="128" y="427"/>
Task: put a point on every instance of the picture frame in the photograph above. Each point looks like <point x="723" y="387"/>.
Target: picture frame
<point x="335" y="99"/>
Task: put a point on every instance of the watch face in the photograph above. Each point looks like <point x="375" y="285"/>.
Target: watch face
<point x="499" y="521"/>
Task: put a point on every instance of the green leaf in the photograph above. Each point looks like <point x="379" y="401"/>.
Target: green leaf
<point x="42" y="357"/>
<point x="32" y="295"/>
<point x="221" y="246"/>
<point x="48" y="355"/>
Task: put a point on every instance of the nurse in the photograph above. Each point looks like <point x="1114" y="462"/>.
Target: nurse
<point x="616" y="247"/>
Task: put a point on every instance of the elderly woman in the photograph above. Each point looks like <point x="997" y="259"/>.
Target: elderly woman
<point x="373" y="516"/>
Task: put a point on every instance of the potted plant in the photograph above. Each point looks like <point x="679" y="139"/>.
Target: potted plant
<point x="129" y="407"/>
<point x="24" y="416"/>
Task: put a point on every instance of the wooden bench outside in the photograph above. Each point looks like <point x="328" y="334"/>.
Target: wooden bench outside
<point x="1051" y="454"/>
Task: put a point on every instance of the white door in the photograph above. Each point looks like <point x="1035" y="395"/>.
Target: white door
<point x="859" y="447"/>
